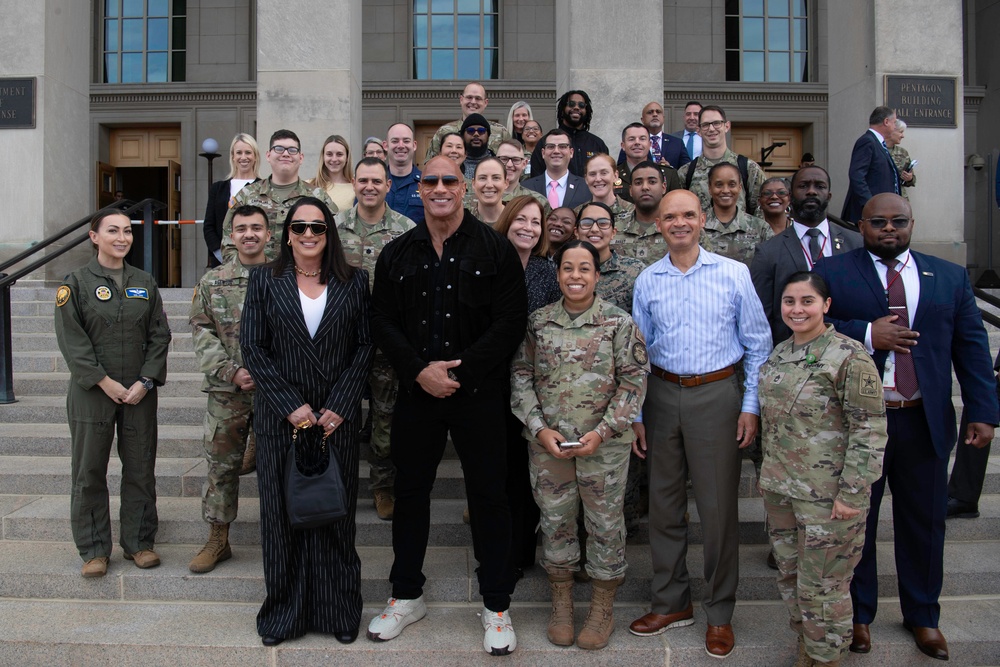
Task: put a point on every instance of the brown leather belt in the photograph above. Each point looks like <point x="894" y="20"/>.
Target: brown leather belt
<point x="692" y="380"/>
<point x="895" y="405"/>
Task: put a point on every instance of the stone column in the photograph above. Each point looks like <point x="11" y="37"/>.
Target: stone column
<point x="309" y="73"/>
<point x="614" y="51"/>
<point x="880" y="37"/>
<point x="47" y="170"/>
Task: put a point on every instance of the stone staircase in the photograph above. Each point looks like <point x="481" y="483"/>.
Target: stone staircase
<point x="52" y="616"/>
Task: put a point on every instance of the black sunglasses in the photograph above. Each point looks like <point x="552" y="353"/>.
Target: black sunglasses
<point x="431" y="181"/>
<point x="475" y="130"/>
<point x="299" y="227"/>
<point x="880" y="223"/>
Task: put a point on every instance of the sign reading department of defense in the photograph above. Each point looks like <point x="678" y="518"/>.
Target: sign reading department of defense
<point x="17" y="103"/>
<point x="922" y="101"/>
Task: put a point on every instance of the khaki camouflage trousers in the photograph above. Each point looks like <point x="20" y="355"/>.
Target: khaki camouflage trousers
<point x="384" y="388"/>
<point x="816" y="556"/>
<point x="559" y="486"/>
<point x="228" y="422"/>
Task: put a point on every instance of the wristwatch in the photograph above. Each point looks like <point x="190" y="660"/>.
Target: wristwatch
<point x="147" y="384"/>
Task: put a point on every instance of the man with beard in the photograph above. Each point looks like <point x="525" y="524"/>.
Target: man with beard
<point x="810" y="237"/>
<point x="918" y="318"/>
<point x="637" y="235"/>
<point x="635" y="149"/>
<point x="574" y="113"/>
<point x="475" y="136"/>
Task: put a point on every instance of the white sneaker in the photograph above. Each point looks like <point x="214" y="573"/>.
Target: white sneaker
<point x="499" y="638"/>
<point x="395" y="617"/>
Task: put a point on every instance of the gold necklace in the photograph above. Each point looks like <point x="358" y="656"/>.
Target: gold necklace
<point x="307" y="274"/>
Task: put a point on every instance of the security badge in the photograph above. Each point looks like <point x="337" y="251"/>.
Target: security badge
<point x="137" y="293"/>
<point x="62" y="296"/>
<point x="103" y="293"/>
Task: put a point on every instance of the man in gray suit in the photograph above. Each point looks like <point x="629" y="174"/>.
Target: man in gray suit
<point x="556" y="183"/>
<point x="809" y="238"/>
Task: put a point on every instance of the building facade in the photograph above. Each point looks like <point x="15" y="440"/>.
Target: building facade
<point x="164" y="75"/>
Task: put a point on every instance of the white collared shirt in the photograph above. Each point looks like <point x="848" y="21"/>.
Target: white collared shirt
<point x="696" y="143"/>
<point x="881" y="139"/>
<point x="560" y="188"/>
<point x="824" y="239"/>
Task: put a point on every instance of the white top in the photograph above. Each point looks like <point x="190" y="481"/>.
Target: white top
<point x="235" y="186"/>
<point x="312" y="310"/>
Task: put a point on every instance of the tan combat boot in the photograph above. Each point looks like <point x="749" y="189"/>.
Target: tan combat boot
<point x="249" y="458"/>
<point x="600" y="621"/>
<point x="803" y="659"/>
<point x="215" y="550"/>
<point x="385" y="505"/>
<point x="560" y="630"/>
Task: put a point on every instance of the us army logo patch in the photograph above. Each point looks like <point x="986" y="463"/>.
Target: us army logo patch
<point x="868" y="385"/>
<point x="103" y="293"/>
<point x="62" y="296"/>
<point x="639" y="354"/>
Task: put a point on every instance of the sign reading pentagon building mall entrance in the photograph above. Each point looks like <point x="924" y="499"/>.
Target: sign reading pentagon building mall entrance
<point x="17" y="103"/>
<point x="922" y="101"/>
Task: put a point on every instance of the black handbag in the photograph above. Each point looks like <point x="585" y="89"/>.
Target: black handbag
<point x="314" y="490"/>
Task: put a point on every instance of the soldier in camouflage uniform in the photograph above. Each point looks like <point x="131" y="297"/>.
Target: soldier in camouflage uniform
<point x="473" y="100"/>
<point x="739" y="236"/>
<point x="901" y="158"/>
<point x="637" y="235"/>
<point x="364" y="230"/>
<point x="713" y="128"/>
<point x="580" y="375"/>
<point x="509" y="151"/>
<point x="216" y="311"/>
<point x="824" y="433"/>
<point x="275" y="194"/>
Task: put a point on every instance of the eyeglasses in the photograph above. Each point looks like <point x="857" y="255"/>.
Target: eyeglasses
<point x="602" y="223"/>
<point x="714" y="124"/>
<point x="299" y="227"/>
<point x="880" y="223"/>
<point x="767" y="194"/>
<point x="552" y="147"/>
<point x="475" y="130"/>
<point x="431" y="181"/>
<point x="516" y="161"/>
<point x="573" y="104"/>
<point x="531" y="128"/>
<point x="291" y="150"/>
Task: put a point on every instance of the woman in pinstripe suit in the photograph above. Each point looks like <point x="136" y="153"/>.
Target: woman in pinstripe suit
<point x="305" y="342"/>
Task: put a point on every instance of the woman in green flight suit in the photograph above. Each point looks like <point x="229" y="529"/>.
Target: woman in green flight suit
<point x="113" y="333"/>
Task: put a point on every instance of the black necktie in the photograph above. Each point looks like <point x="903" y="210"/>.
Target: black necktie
<point x="815" y="249"/>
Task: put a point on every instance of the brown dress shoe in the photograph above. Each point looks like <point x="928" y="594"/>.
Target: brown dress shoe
<point x="95" y="567"/>
<point x="862" y="641"/>
<point x="930" y="641"/>
<point x="719" y="640"/>
<point x="655" y="624"/>
<point x="144" y="559"/>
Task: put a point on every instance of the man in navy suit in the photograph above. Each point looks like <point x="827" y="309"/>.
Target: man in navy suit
<point x="665" y="149"/>
<point x="872" y="169"/>
<point x="798" y="247"/>
<point x="917" y="316"/>
<point x="569" y="190"/>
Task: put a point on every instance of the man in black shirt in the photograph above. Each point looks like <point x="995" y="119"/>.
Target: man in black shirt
<point x="449" y="309"/>
<point x="574" y="113"/>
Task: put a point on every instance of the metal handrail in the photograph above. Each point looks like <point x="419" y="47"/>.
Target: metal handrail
<point x="994" y="301"/>
<point x="125" y="206"/>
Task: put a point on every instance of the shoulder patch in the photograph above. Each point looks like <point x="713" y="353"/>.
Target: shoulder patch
<point x="137" y="293"/>
<point x="639" y="353"/>
<point x="194" y="295"/>
<point x="868" y="384"/>
<point x="103" y="293"/>
<point x="62" y="295"/>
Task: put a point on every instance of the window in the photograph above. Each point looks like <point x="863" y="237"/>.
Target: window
<point x="455" y="39"/>
<point x="767" y="40"/>
<point x="144" y="41"/>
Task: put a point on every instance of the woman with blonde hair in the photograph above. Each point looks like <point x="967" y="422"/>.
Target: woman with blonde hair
<point x="335" y="173"/>
<point x="244" y="167"/>
<point x="519" y="114"/>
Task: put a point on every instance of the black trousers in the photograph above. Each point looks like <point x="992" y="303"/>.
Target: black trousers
<point x="420" y="427"/>
<point x="969" y="472"/>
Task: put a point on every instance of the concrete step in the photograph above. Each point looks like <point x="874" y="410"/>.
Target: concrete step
<point x="46" y="341"/>
<point x="179" y="385"/>
<point x="51" y="570"/>
<point x="49" y="361"/>
<point x="118" y="634"/>
<point x="34" y="518"/>
<point x="42" y="409"/>
<point x="52" y="439"/>
<point x="46" y="307"/>
<point x="43" y="323"/>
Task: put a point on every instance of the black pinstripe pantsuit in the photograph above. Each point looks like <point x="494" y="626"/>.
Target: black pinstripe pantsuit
<point x="312" y="577"/>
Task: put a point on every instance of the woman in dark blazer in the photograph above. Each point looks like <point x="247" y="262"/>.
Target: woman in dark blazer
<point x="305" y="342"/>
<point x="244" y="167"/>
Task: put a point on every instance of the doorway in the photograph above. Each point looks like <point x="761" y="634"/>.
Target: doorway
<point x="750" y="140"/>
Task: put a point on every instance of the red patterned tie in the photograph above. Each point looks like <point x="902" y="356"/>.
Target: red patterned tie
<point x="906" y="374"/>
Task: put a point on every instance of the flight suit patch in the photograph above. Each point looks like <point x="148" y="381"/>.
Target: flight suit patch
<point x="103" y="293"/>
<point x="62" y="295"/>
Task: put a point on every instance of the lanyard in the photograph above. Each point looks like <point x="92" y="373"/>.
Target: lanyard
<point x="895" y="277"/>
<point x="808" y="255"/>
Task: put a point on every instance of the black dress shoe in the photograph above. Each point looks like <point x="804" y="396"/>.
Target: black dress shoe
<point x="930" y="641"/>
<point x="346" y="636"/>
<point x="771" y="563"/>
<point x="268" y="640"/>
<point x="958" y="509"/>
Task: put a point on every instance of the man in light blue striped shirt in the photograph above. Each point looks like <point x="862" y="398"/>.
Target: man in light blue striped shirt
<point x="700" y="315"/>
